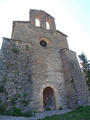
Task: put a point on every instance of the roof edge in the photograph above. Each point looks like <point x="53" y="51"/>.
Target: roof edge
<point x="61" y="33"/>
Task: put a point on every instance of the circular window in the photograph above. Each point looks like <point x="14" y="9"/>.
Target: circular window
<point x="43" y="43"/>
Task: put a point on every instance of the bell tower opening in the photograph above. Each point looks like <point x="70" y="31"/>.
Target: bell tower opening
<point x="37" y="21"/>
<point x="39" y="18"/>
<point x="49" y="99"/>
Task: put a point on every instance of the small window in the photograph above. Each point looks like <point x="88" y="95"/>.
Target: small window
<point x="37" y="22"/>
<point x="43" y="43"/>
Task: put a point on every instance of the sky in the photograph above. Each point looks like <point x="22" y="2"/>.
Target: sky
<point x="72" y="17"/>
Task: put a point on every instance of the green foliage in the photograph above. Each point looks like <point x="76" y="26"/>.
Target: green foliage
<point x="2" y="110"/>
<point x="81" y="113"/>
<point x="4" y="79"/>
<point x="16" y="72"/>
<point x="14" y="112"/>
<point x="85" y="63"/>
<point x="9" y="112"/>
<point x="9" y="65"/>
<point x="48" y="109"/>
<point x="27" y="47"/>
<point x="17" y="111"/>
<point x="83" y="109"/>
<point x="2" y="89"/>
<point x="15" y="50"/>
<point x="13" y="101"/>
<point x="0" y="100"/>
<point x="34" y="112"/>
<point x="25" y="95"/>
<point x="27" y="114"/>
<point x="24" y="102"/>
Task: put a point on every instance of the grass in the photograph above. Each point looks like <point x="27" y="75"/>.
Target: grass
<point x="81" y="113"/>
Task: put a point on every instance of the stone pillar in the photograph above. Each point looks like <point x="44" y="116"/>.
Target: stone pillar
<point x="32" y="18"/>
<point x="43" y="23"/>
<point x="52" y="25"/>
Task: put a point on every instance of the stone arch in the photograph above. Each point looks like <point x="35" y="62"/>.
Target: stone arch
<point x="56" y="94"/>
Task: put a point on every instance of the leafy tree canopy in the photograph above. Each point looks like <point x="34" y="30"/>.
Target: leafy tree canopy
<point x="85" y="64"/>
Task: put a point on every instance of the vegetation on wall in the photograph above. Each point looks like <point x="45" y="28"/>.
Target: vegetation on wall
<point x="9" y="65"/>
<point x="14" y="111"/>
<point x="27" y="47"/>
<point x="2" y="88"/>
<point x="15" y="50"/>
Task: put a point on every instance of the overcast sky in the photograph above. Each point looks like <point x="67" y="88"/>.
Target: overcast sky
<point x="72" y="17"/>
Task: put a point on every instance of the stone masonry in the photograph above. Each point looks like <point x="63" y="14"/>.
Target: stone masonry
<point x="37" y="69"/>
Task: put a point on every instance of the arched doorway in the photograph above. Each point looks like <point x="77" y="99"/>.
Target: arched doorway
<point x="49" y="98"/>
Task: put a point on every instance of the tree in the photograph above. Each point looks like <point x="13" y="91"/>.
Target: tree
<point x="85" y="65"/>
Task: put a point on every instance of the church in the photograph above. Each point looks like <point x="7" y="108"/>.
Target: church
<point x="37" y="68"/>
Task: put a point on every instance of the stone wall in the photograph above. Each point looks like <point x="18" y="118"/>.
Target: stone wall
<point x="16" y="72"/>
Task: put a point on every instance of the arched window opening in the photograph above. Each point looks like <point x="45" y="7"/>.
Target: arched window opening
<point x="47" y="25"/>
<point x="37" y="22"/>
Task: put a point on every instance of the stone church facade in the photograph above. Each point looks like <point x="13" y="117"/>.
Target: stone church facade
<point x="37" y="68"/>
